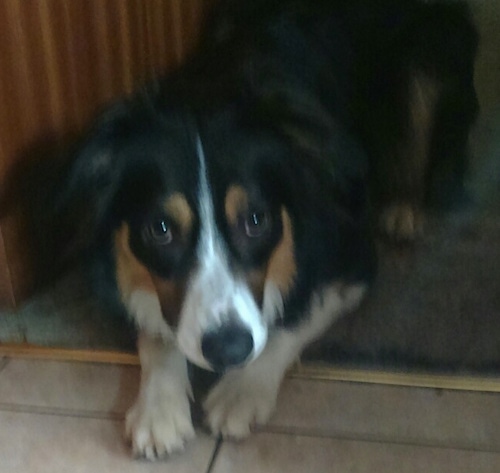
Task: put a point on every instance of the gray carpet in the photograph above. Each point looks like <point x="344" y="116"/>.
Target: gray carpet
<point x="433" y="306"/>
<point x="66" y="315"/>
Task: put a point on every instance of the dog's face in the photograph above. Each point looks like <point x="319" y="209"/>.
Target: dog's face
<point x="206" y="224"/>
<point x="200" y="225"/>
<point x="243" y="262"/>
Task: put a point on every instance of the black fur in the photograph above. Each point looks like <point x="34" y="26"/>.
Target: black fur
<point x="306" y="101"/>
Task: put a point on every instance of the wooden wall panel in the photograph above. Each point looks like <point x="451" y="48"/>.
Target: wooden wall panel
<point x="6" y="293"/>
<point x="60" y="60"/>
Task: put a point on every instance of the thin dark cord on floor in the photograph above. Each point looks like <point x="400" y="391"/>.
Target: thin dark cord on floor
<point x="218" y="445"/>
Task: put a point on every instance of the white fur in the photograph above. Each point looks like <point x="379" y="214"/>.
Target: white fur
<point x="213" y="290"/>
<point x="248" y="395"/>
<point x="146" y="309"/>
<point x="160" y="421"/>
<point x="272" y="305"/>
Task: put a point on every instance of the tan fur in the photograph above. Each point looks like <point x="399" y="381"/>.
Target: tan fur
<point x="403" y="220"/>
<point x="236" y="202"/>
<point x="424" y="92"/>
<point x="171" y="295"/>
<point x="282" y="267"/>
<point x="179" y="210"/>
<point x="132" y="275"/>
<point x="256" y="280"/>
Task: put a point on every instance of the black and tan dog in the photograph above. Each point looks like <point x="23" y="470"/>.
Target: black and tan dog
<point x="229" y="206"/>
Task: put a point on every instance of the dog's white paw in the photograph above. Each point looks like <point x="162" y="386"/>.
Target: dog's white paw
<point x="239" y="401"/>
<point x="157" y="428"/>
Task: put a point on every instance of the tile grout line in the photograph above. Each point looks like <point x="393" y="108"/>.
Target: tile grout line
<point x="375" y="439"/>
<point x="60" y="412"/>
<point x="309" y="433"/>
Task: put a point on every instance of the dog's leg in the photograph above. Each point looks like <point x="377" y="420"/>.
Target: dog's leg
<point x="160" y="421"/>
<point x="247" y="396"/>
<point x="405" y="171"/>
<point x="432" y="107"/>
<point x="450" y="153"/>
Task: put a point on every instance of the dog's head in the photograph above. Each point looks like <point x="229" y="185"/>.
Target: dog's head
<point x="205" y="215"/>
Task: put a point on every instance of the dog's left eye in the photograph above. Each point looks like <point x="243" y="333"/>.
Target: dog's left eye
<point x="256" y="224"/>
<point x="158" y="232"/>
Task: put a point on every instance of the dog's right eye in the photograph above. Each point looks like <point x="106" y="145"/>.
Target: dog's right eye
<point x="157" y="232"/>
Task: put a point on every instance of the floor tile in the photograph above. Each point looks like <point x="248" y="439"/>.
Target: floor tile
<point x="272" y="453"/>
<point x="33" y="443"/>
<point x="424" y="416"/>
<point x="75" y="386"/>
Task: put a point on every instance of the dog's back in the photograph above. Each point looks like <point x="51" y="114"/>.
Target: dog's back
<point x="398" y="75"/>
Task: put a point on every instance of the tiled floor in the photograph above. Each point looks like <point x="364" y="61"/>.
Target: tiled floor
<point x="67" y="417"/>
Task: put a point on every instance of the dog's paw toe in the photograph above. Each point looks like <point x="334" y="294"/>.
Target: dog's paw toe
<point x="160" y="430"/>
<point x="237" y="404"/>
<point x="402" y="222"/>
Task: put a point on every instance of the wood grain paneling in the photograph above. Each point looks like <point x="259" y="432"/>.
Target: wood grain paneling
<point x="60" y="60"/>
<point x="6" y="293"/>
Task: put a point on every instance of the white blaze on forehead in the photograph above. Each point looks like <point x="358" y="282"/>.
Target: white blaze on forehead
<point x="208" y="239"/>
<point x="214" y="294"/>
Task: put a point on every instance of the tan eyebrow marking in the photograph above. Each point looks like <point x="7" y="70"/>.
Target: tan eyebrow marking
<point x="178" y="208"/>
<point x="236" y="202"/>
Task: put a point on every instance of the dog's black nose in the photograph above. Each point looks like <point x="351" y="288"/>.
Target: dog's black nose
<point x="227" y="346"/>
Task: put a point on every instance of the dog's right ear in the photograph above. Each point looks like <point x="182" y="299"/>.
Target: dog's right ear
<point x="89" y="180"/>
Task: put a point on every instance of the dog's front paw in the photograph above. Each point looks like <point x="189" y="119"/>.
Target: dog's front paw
<point x="159" y="428"/>
<point x="402" y="222"/>
<point x="238" y="402"/>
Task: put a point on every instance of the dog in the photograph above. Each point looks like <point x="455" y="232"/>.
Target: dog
<point x="231" y="207"/>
